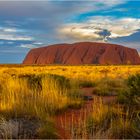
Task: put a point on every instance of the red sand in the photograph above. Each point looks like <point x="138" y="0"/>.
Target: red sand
<point x="73" y="116"/>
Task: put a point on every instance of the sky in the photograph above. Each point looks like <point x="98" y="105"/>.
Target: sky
<point x="29" y="24"/>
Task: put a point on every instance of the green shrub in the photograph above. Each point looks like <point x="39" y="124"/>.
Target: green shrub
<point x="133" y="83"/>
<point x="131" y="94"/>
<point x="122" y="97"/>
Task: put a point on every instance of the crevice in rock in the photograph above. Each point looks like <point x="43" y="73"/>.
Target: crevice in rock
<point x="122" y="55"/>
<point x="73" y="49"/>
<point x="84" y="55"/>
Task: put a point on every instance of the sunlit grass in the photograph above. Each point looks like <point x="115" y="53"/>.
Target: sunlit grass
<point x="17" y="98"/>
<point x="42" y="92"/>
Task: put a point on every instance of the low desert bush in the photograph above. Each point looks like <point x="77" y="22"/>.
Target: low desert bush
<point x="18" y="128"/>
<point x="133" y="83"/>
<point x="131" y="94"/>
<point x="23" y="128"/>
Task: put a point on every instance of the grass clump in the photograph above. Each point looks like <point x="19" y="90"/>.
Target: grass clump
<point x="126" y="125"/>
<point x="108" y="86"/>
<point x="34" y="94"/>
<point x="86" y="84"/>
<point x="112" y="122"/>
<point x="100" y="117"/>
<point x="47" y="130"/>
<point x="33" y="81"/>
<point x="26" y="99"/>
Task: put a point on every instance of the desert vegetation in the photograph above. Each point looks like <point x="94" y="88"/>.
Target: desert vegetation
<point x="70" y="101"/>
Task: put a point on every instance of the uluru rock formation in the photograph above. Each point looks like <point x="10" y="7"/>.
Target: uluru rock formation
<point x="82" y="53"/>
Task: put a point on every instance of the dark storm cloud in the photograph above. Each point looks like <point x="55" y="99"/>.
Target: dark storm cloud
<point x="104" y="33"/>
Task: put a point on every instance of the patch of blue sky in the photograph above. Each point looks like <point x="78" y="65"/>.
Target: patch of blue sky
<point x="130" y="9"/>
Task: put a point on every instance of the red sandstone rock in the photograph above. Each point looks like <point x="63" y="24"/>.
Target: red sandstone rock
<point x="82" y="53"/>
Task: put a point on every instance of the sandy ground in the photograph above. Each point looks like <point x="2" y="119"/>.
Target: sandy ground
<point x="71" y="117"/>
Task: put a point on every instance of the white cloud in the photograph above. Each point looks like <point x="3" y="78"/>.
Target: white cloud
<point x="111" y="2"/>
<point x="14" y="37"/>
<point x="13" y="34"/>
<point x="9" y="30"/>
<point x="101" y="28"/>
<point x="27" y="46"/>
<point x="11" y="51"/>
<point x="10" y="42"/>
<point x="96" y="5"/>
<point x="33" y="45"/>
<point x="38" y="43"/>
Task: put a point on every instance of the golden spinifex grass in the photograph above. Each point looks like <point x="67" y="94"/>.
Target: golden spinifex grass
<point x="104" y="122"/>
<point x="41" y="92"/>
<point x="18" y="99"/>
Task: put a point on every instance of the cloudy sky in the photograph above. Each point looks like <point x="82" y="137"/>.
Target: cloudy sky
<point x="29" y="24"/>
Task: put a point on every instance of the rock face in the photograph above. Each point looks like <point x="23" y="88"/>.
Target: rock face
<point x="82" y="53"/>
